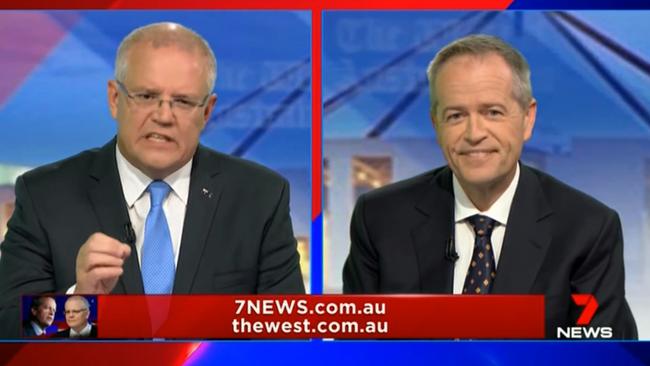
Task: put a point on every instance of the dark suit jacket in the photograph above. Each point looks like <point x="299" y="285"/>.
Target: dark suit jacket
<point x="558" y="241"/>
<point x="66" y="333"/>
<point x="237" y="236"/>
<point x="28" y="329"/>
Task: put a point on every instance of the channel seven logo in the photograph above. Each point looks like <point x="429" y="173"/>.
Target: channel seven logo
<point x="583" y="330"/>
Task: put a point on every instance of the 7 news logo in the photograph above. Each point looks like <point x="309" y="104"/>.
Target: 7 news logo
<point x="583" y="331"/>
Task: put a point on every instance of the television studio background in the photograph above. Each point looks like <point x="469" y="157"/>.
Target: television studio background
<point x="54" y="68"/>
<point x="590" y="76"/>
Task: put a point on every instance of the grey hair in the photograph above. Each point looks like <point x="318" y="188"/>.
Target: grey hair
<point x="162" y="35"/>
<point x="82" y="298"/>
<point x="481" y="45"/>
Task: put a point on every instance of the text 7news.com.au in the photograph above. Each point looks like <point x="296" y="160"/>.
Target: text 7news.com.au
<point x="318" y="318"/>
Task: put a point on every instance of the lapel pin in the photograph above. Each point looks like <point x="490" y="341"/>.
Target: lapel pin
<point x="206" y="193"/>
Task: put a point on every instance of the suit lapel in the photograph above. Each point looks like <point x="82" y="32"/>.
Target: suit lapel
<point x="107" y="199"/>
<point x="528" y="235"/>
<point x="432" y="234"/>
<point x="203" y="199"/>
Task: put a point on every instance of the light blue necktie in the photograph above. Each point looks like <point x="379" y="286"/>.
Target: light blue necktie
<point x="157" y="253"/>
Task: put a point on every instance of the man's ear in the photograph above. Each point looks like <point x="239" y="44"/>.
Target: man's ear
<point x="432" y="116"/>
<point x="210" y="104"/>
<point x="113" y="94"/>
<point x="436" y="124"/>
<point x="529" y="119"/>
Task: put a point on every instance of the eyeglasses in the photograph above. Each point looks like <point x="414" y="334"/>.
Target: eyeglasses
<point x="149" y="100"/>
<point x="74" y="311"/>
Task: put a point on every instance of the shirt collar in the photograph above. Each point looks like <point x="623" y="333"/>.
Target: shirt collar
<point x="37" y="328"/>
<point x="84" y="332"/>
<point x="135" y="182"/>
<point x="500" y="209"/>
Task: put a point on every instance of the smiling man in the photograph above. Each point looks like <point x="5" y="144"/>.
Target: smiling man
<point x="152" y="211"/>
<point x="485" y="223"/>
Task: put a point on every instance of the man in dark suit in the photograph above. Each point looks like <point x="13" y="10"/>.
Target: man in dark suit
<point x="77" y="313"/>
<point x="485" y="223"/>
<point x="151" y="211"/>
<point x="41" y="315"/>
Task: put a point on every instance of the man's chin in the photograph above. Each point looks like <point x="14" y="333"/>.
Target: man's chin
<point x="158" y="167"/>
<point x="487" y="181"/>
<point x="477" y="177"/>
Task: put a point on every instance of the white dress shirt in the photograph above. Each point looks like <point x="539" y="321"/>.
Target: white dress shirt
<point x="134" y="186"/>
<point x="37" y="329"/>
<point x="464" y="234"/>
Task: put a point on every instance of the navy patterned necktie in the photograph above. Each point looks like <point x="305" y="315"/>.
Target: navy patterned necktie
<point x="482" y="269"/>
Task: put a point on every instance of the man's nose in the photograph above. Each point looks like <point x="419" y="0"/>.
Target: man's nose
<point x="475" y="128"/>
<point x="164" y="113"/>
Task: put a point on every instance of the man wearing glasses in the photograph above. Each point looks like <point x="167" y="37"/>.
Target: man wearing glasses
<point x="152" y="211"/>
<point x="77" y="313"/>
